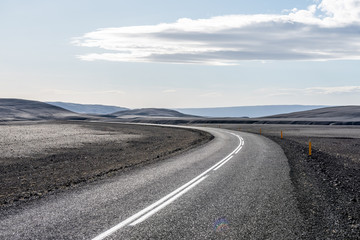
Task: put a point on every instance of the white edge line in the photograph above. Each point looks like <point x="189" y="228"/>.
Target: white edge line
<point x="158" y="208"/>
<point x="239" y="149"/>
<point x="154" y="205"/>
<point x="222" y="164"/>
<point x="241" y="145"/>
<point x="144" y="211"/>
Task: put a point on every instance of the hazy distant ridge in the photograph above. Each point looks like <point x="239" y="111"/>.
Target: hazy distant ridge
<point x="151" y="112"/>
<point x="20" y="109"/>
<point x="247" y="111"/>
<point x="338" y="113"/>
<point x="88" y="108"/>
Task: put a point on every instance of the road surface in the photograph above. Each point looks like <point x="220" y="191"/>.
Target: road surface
<point x="234" y="187"/>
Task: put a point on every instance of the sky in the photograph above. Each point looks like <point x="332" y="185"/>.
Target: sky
<point x="181" y="54"/>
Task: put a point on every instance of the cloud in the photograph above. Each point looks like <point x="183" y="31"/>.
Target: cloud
<point x="211" y="94"/>
<point x="333" y="90"/>
<point x="327" y="30"/>
<point x="169" y="91"/>
<point x="310" y="91"/>
<point x="72" y="92"/>
<point x="118" y="92"/>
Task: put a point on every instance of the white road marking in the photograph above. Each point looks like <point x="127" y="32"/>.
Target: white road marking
<point x="241" y="145"/>
<point x="158" y="205"/>
<point x="223" y="163"/>
<point x="144" y="211"/>
<point x="158" y="208"/>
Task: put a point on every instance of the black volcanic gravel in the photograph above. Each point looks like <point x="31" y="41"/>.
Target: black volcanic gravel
<point x="28" y="177"/>
<point x="327" y="188"/>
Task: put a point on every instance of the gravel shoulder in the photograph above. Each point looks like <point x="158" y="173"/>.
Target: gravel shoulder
<point x="327" y="183"/>
<point x="40" y="158"/>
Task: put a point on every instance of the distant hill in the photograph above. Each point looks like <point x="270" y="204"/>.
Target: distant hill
<point x="247" y="111"/>
<point x="88" y="108"/>
<point x="151" y="112"/>
<point x="19" y="109"/>
<point x="340" y="113"/>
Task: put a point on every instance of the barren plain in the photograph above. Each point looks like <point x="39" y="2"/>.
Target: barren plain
<point x="38" y="158"/>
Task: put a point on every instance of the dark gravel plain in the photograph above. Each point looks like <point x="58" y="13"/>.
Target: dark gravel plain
<point x="327" y="183"/>
<point x="40" y="158"/>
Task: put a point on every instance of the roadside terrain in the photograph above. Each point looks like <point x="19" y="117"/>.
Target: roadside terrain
<point x="38" y="158"/>
<point x="327" y="183"/>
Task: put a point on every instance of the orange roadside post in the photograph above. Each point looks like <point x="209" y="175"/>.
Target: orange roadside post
<point x="310" y="148"/>
<point x="281" y="135"/>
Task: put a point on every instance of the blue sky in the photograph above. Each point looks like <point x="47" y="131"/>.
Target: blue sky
<point x="139" y="54"/>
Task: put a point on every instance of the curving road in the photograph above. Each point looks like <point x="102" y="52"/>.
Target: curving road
<point x="235" y="187"/>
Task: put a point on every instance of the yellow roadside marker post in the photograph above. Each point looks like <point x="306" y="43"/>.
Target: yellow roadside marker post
<point x="310" y="148"/>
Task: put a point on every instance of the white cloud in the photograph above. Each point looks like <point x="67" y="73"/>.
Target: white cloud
<point x="328" y="30"/>
<point x="72" y="92"/>
<point x="169" y="91"/>
<point x="117" y="92"/>
<point x="309" y="91"/>
<point x="333" y="90"/>
<point x="211" y="94"/>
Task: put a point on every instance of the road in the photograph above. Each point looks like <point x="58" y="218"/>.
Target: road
<point x="234" y="187"/>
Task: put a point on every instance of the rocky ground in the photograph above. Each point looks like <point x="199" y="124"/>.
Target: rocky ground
<point x="327" y="183"/>
<point x="39" y="158"/>
<point x="45" y="157"/>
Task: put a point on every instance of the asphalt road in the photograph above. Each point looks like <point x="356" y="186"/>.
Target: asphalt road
<point x="235" y="187"/>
